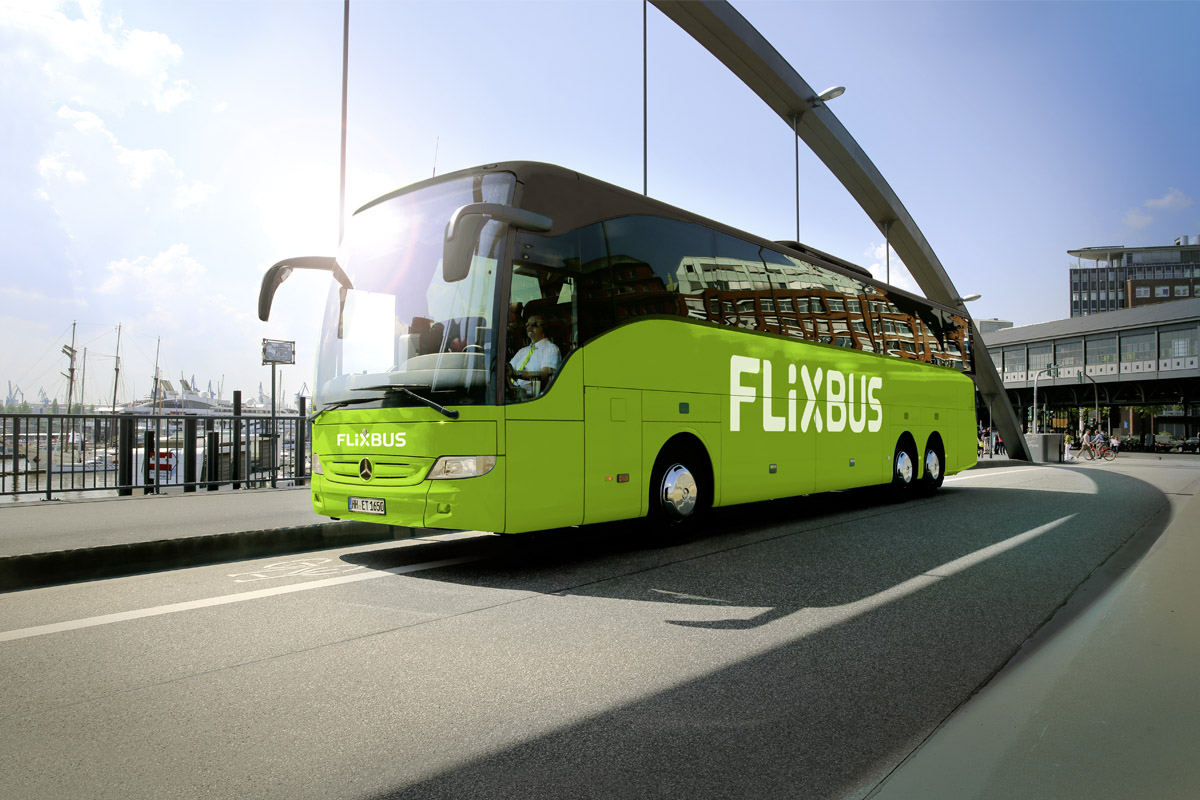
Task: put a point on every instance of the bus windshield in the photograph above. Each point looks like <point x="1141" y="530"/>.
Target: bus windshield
<point x="402" y="325"/>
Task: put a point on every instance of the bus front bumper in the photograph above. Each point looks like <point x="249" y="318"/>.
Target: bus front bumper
<point x="468" y="504"/>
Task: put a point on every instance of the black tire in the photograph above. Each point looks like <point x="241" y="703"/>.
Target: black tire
<point x="1110" y="454"/>
<point x="933" y="471"/>
<point x="680" y="495"/>
<point x="904" y="473"/>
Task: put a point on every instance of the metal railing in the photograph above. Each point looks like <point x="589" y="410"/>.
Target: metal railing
<point x="42" y="455"/>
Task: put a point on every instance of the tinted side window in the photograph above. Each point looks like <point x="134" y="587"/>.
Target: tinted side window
<point x="741" y="286"/>
<point x="652" y="260"/>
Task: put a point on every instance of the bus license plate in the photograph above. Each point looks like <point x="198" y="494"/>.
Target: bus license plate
<point x="367" y="505"/>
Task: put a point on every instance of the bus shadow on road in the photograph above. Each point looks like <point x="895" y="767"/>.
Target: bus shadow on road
<point x="856" y="672"/>
<point x="830" y="550"/>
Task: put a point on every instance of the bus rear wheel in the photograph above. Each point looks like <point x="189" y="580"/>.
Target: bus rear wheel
<point x="904" y="473"/>
<point x="935" y="473"/>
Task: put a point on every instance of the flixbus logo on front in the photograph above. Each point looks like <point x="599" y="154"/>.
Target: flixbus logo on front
<point x="368" y="439"/>
<point x="833" y="401"/>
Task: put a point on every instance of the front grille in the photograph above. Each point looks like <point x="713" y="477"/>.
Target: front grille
<point x="385" y="470"/>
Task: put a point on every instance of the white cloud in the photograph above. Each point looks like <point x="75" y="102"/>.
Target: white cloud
<point x="892" y="271"/>
<point x="156" y="286"/>
<point x="92" y="61"/>
<point x="139" y="165"/>
<point x="1138" y="219"/>
<point x="197" y="193"/>
<point x="1174" y="199"/>
<point x="172" y="267"/>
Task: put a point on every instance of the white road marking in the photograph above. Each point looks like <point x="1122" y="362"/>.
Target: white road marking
<point x="966" y="476"/>
<point x="240" y="597"/>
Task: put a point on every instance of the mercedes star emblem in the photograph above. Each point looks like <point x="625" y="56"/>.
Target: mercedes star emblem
<point x="364" y="469"/>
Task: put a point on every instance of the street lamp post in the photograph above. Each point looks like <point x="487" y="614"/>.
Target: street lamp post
<point x="813" y="102"/>
<point x="1050" y="369"/>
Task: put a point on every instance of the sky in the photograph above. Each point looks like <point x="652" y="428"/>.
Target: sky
<point x="156" y="158"/>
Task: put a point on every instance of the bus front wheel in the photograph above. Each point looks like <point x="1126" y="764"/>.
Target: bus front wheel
<point x="678" y="493"/>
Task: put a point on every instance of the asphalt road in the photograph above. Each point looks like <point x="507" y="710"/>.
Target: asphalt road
<point x="799" y="649"/>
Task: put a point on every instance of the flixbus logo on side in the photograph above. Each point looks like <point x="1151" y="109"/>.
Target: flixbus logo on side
<point x="834" y="401"/>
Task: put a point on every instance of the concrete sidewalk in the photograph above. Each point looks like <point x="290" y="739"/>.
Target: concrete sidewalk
<point x="59" y="541"/>
<point x="1107" y="706"/>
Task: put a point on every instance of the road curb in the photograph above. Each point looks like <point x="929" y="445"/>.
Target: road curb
<point x="35" y="570"/>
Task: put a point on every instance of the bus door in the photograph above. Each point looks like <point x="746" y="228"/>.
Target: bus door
<point x="544" y="406"/>
<point x="613" y="477"/>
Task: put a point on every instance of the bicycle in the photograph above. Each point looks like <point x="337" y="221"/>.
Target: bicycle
<point x="1105" y="452"/>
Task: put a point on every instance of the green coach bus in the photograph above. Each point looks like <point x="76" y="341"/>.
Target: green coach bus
<point x="518" y="347"/>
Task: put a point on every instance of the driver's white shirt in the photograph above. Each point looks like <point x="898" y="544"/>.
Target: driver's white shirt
<point x="545" y="354"/>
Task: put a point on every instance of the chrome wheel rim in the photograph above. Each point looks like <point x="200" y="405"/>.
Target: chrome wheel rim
<point x="933" y="466"/>
<point x="678" y="492"/>
<point x="904" y="468"/>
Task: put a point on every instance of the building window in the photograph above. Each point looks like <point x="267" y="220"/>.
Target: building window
<point x="1068" y="354"/>
<point x="1139" y="347"/>
<point x="1014" y="361"/>
<point x="1162" y="291"/>
<point x="1102" y="351"/>
<point x="1181" y="291"/>
<point x="1141" y="291"/>
<point x="1040" y="357"/>
<point x="1178" y="344"/>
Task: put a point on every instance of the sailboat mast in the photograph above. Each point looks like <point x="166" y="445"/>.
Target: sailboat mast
<point x="116" y="370"/>
<point x="69" y="352"/>
<point x="154" y="393"/>
<point x="82" y="378"/>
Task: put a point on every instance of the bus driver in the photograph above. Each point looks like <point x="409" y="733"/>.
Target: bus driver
<point x="537" y="361"/>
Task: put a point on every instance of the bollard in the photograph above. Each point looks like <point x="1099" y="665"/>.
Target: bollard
<point x="189" y="454"/>
<point x="125" y="457"/>
<point x="148" y="476"/>
<point x="236" y="458"/>
<point x="50" y="455"/>
<point x="213" y="459"/>
<point x="300" y="441"/>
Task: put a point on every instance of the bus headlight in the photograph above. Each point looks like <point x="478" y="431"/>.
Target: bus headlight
<point x="316" y="465"/>
<point x="454" y="467"/>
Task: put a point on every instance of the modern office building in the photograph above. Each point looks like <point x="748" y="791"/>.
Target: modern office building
<point x="1141" y="364"/>
<point x="1127" y="277"/>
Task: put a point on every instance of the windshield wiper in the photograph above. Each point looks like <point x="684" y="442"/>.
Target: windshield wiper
<point x="350" y="401"/>
<point x="392" y="387"/>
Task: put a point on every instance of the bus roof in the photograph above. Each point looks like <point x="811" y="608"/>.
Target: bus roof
<point x="573" y="200"/>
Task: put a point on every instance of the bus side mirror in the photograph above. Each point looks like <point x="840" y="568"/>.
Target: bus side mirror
<point x="462" y="233"/>
<point x="278" y="273"/>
